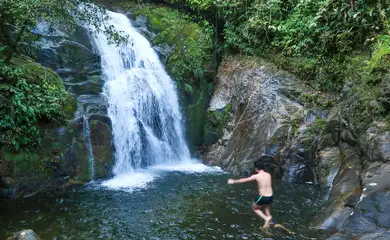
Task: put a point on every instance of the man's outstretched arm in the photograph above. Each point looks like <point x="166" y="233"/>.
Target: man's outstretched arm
<point x="242" y="180"/>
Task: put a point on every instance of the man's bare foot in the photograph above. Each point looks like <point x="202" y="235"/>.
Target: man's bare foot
<point x="267" y="221"/>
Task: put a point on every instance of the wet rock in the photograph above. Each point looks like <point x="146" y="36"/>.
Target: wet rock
<point x="376" y="178"/>
<point x="299" y="162"/>
<point x="262" y="110"/>
<point x="346" y="190"/>
<point x="300" y="159"/>
<point x="371" y="215"/>
<point x="329" y="161"/>
<point x="24" y="235"/>
<point x="93" y="86"/>
<point x="102" y="147"/>
<point x="375" y="142"/>
<point x="76" y="156"/>
<point x="331" y="132"/>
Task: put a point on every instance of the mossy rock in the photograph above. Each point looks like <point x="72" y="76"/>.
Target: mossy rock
<point x="76" y="157"/>
<point x="69" y="107"/>
<point x="102" y="148"/>
<point x="35" y="73"/>
<point x="215" y="122"/>
<point x="26" y="164"/>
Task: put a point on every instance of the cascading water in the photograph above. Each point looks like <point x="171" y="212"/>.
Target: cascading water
<point x="142" y="102"/>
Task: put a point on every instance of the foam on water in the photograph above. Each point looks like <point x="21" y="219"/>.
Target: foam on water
<point x="141" y="178"/>
<point x="130" y="182"/>
<point x="187" y="167"/>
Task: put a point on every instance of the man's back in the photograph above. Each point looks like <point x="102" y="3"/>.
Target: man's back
<point x="264" y="183"/>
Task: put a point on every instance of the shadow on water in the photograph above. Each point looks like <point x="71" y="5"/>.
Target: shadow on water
<point x="174" y="206"/>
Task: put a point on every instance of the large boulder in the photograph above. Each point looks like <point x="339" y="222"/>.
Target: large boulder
<point x="300" y="155"/>
<point x="254" y="111"/>
<point x="329" y="161"/>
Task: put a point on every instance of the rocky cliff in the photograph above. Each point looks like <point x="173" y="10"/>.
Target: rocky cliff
<point x="260" y="112"/>
<point x="256" y="111"/>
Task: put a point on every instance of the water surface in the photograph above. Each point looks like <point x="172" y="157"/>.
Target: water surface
<point x="172" y="205"/>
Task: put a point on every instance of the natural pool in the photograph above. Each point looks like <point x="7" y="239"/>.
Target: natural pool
<point x="162" y="204"/>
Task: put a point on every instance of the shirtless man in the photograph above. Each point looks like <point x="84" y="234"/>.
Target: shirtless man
<point x="264" y="199"/>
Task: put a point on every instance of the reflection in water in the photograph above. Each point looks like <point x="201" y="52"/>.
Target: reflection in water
<point x="173" y="206"/>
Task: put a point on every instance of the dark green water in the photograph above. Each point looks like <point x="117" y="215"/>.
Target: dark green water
<point x="174" y="206"/>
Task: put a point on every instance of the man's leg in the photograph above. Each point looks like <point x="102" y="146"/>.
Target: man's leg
<point x="267" y="211"/>
<point x="260" y="213"/>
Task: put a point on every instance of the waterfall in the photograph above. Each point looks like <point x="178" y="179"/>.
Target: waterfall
<point x="88" y="146"/>
<point x="142" y="101"/>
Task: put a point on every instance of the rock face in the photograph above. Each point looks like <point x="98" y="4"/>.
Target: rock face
<point x="254" y="111"/>
<point x="86" y="143"/>
<point x="25" y="235"/>
<point x="360" y="191"/>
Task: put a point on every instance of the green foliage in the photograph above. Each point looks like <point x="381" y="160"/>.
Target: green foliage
<point x="381" y="53"/>
<point x="198" y="5"/>
<point x="19" y="18"/>
<point x="31" y="95"/>
<point x="317" y="125"/>
<point x="369" y="97"/>
<point x="191" y="56"/>
<point x="316" y="99"/>
<point x="28" y="164"/>
<point x="309" y="38"/>
<point x="301" y="27"/>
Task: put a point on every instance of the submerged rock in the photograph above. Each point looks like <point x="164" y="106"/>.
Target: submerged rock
<point x="24" y="235"/>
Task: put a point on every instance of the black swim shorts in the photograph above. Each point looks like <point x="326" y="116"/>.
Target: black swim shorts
<point x="261" y="200"/>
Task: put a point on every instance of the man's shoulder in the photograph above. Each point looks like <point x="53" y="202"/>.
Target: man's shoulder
<point x="266" y="174"/>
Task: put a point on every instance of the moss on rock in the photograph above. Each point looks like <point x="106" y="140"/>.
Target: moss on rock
<point x="216" y="121"/>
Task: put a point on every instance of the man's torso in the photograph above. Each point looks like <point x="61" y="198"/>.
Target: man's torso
<point x="264" y="184"/>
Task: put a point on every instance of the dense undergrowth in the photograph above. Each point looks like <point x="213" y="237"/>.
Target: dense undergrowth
<point x="32" y="95"/>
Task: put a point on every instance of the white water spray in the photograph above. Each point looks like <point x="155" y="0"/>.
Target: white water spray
<point x="143" y="103"/>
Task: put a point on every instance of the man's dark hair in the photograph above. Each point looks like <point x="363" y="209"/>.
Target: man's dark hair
<point x="259" y="165"/>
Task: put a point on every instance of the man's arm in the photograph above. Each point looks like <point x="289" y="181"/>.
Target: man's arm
<point x="242" y="180"/>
